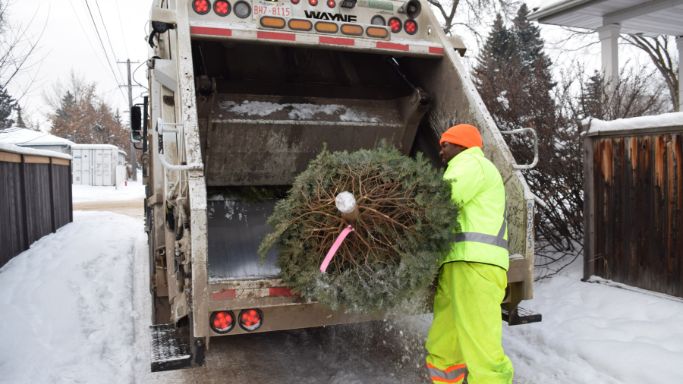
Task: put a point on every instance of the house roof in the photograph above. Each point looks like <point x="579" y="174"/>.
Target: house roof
<point x="29" y="137"/>
<point x="653" y="17"/>
<point x="7" y="147"/>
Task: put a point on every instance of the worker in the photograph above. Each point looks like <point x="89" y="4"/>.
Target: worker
<point x="464" y="344"/>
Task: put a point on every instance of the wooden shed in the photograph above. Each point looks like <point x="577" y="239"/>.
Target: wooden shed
<point x="634" y="202"/>
<point x="35" y="196"/>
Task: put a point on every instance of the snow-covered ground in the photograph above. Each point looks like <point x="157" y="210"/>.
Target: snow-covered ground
<point x="67" y="304"/>
<point x="89" y="193"/>
<point x="73" y="305"/>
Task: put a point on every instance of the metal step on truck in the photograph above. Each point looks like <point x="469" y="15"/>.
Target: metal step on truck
<point x="242" y="95"/>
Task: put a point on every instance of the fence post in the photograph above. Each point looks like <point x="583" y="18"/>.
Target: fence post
<point x="51" y="169"/>
<point x="24" y="202"/>
<point x="588" y="208"/>
<point x="70" y="187"/>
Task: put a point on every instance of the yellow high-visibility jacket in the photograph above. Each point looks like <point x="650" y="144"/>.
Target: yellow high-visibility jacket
<point x="478" y="191"/>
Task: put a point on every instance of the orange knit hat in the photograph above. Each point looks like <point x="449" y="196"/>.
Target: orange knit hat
<point x="462" y="134"/>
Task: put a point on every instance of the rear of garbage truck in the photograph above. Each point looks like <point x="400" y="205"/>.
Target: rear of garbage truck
<point x="242" y="95"/>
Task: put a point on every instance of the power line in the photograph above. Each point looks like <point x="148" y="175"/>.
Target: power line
<point x="106" y="32"/>
<point x="135" y="71"/>
<point x="123" y="34"/>
<point x="111" y="68"/>
<point x="85" y="33"/>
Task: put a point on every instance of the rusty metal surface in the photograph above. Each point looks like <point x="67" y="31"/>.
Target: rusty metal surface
<point x="635" y="217"/>
<point x="268" y="140"/>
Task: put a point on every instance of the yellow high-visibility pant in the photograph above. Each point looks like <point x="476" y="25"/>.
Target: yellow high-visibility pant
<point x="465" y="341"/>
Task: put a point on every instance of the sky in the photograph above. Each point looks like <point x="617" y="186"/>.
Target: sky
<point x="68" y="42"/>
<point x="76" y="309"/>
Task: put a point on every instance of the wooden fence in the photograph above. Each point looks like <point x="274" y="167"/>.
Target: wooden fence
<point x="634" y="207"/>
<point x="35" y="197"/>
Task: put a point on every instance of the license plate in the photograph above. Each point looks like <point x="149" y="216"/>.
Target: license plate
<point x="272" y="10"/>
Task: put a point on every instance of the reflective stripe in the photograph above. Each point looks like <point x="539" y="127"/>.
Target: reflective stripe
<point x="504" y="226"/>
<point x="481" y="238"/>
<point x="451" y="374"/>
<point x="498" y="241"/>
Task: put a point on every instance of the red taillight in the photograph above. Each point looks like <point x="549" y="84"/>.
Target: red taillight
<point x="250" y="319"/>
<point x="222" y="321"/>
<point x="221" y="7"/>
<point x="202" y="7"/>
<point x="313" y="2"/>
<point x="395" y="25"/>
<point x="410" y="27"/>
<point x="331" y="3"/>
<point x="295" y="2"/>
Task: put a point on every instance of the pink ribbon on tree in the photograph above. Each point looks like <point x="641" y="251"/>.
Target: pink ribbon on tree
<point x="335" y="246"/>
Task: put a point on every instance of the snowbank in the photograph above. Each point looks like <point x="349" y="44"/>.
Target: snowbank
<point x="88" y="193"/>
<point x="598" y="333"/>
<point x="664" y="120"/>
<point x="67" y="309"/>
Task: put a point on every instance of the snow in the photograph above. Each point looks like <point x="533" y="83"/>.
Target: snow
<point x="24" y="136"/>
<point x="88" y="193"/>
<point x="73" y="305"/>
<point x="30" y="151"/>
<point x="664" y="120"/>
<point x="598" y="333"/>
<point x="67" y="314"/>
<point x="297" y="111"/>
<point x="503" y="100"/>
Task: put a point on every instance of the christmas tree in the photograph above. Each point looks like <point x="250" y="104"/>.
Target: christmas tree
<point x="402" y="224"/>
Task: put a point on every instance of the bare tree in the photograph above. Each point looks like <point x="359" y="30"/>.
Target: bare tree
<point x="15" y="52"/>
<point x="449" y="10"/>
<point x="660" y="52"/>
<point x="659" y="49"/>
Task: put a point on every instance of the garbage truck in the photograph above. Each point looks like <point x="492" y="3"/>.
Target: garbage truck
<point x="242" y="95"/>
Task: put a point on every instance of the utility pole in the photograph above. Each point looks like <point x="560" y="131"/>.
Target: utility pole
<point x="134" y="155"/>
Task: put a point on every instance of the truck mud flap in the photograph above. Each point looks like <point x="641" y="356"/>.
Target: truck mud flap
<point x="521" y="316"/>
<point x="170" y="348"/>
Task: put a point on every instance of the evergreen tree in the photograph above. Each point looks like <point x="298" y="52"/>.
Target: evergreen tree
<point x="7" y="104"/>
<point x="20" y="120"/>
<point x="536" y="75"/>
<point x="515" y="80"/>
<point x="497" y="65"/>
<point x="592" y="96"/>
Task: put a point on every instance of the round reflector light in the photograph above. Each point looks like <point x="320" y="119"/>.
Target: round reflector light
<point x="222" y="321"/>
<point x="221" y="7"/>
<point x="395" y="25"/>
<point x="313" y="2"/>
<point x="378" y="20"/>
<point x="331" y="3"/>
<point x="410" y="27"/>
<point x="202" y="7"/>
<point x="250" y="319"/>
<point x="242" y="9"/>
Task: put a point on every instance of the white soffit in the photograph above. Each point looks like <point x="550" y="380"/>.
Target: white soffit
<point x="653" y="17"/>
